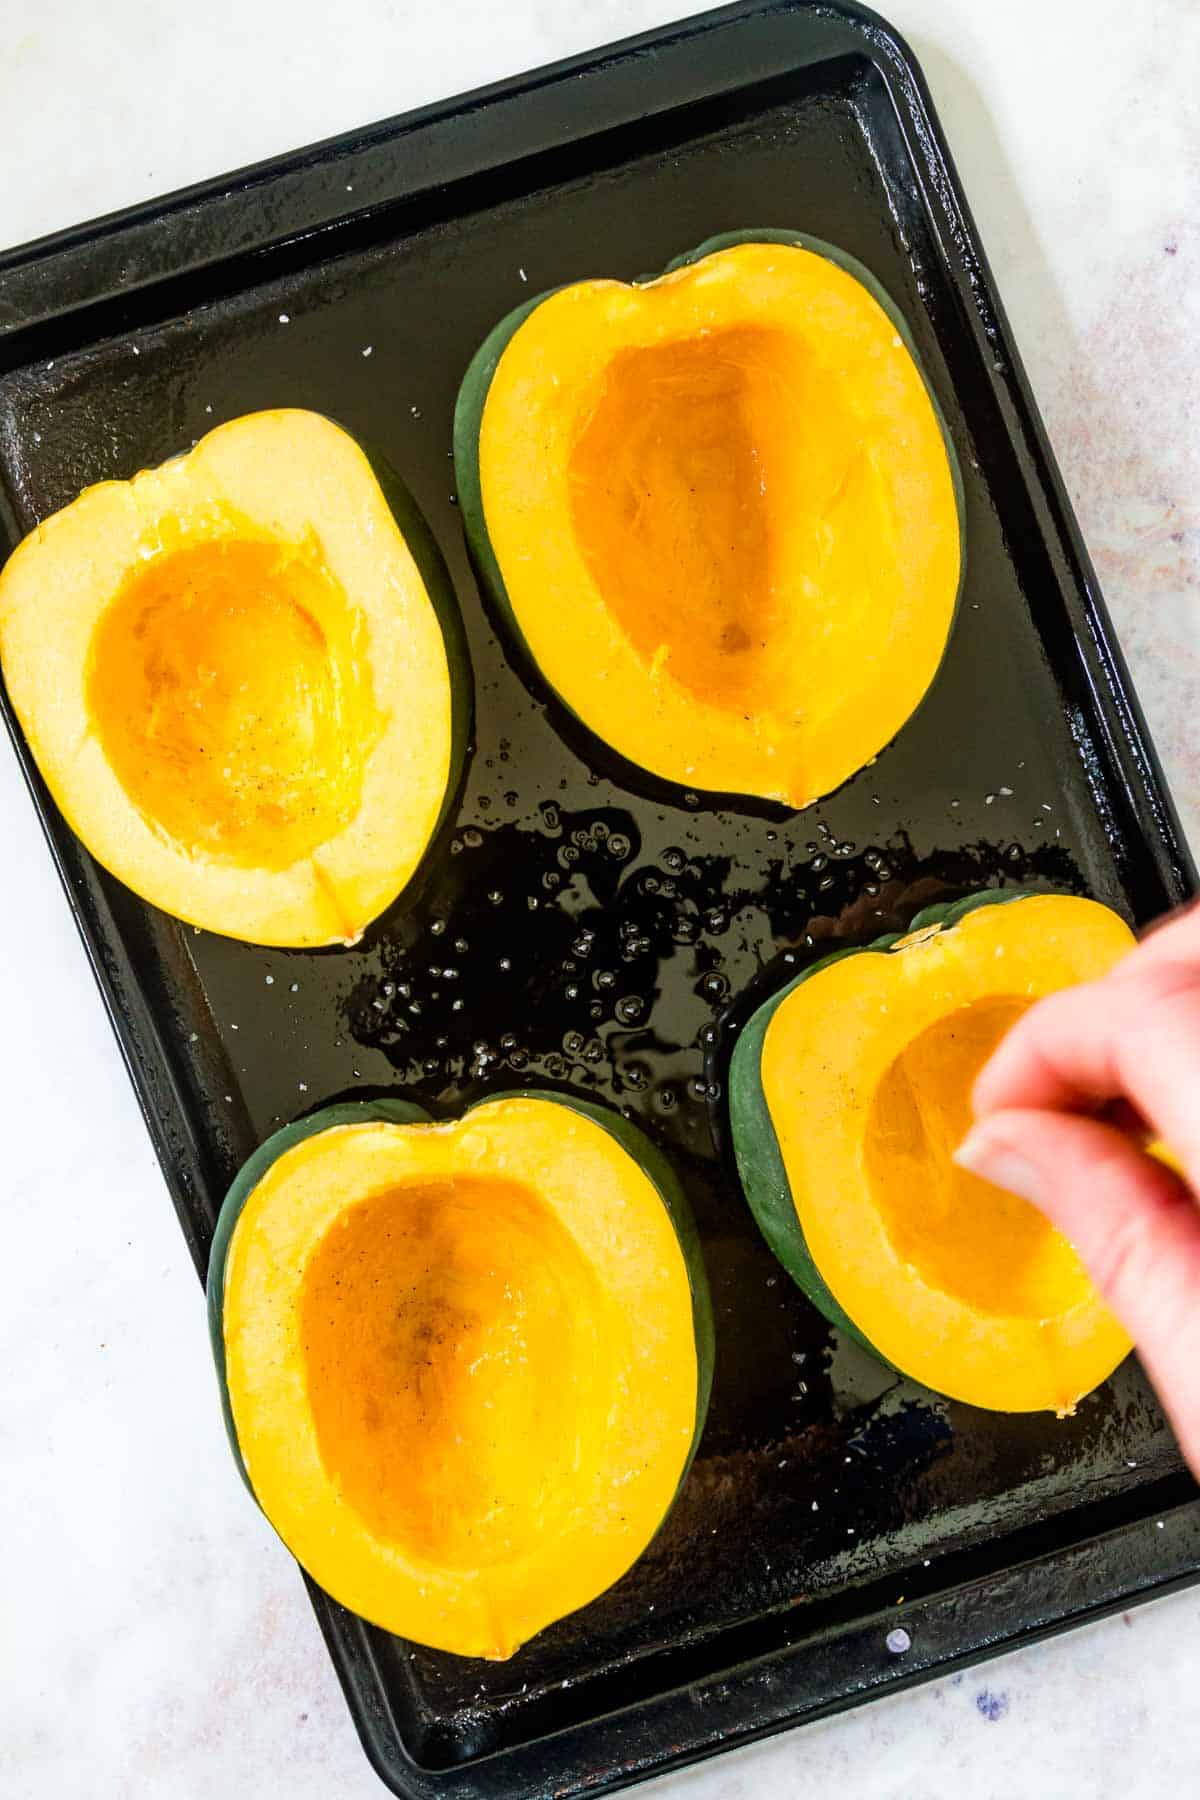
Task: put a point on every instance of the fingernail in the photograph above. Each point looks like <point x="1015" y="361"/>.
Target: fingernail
<point x="995" y="1162"/>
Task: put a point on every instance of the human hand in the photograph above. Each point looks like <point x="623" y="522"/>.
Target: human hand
<point x="1065" y="1109"/>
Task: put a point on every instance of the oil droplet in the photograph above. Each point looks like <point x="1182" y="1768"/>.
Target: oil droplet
<point x="604" y="978"/>
<point x="438" y="926"/>
<point x="619" y="846"/>
<point x="714" y="986"/>
<point x="629" y="1009"/>
<point x="573" y="1042"/>
<point x="673" y="859"/>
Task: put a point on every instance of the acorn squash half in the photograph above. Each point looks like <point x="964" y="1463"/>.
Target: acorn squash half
<point x="849" y="1092"/>
<point x="235" y="675"/>
<point x="720" y="512"/>
<point x="464" y="1365"/>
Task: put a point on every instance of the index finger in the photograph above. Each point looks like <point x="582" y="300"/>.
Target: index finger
<point x="1133" y="1035"/>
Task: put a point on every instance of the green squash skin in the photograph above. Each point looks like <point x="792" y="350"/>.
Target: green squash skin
<point x="756" y="1149"/>
<point x="648" y="1157"/>
<point x="468" y="418"/>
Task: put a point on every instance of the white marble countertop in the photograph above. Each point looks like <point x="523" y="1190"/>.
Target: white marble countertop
<point x="155" y="1638"/>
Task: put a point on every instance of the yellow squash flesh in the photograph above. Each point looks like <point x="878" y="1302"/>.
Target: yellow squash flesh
<point x="234" y="682"/>
<point x="867" y="1071"/>
<point x="723" y="515"/>
<point x="461" y="1365"/>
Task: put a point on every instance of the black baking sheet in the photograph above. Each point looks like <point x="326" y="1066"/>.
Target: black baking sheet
<point x="580" y="929"/>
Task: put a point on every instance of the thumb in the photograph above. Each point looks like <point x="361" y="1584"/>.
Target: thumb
<point x="1132" y="1220"/>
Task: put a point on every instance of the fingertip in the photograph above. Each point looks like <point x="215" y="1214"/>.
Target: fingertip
<point x="994" y="1154"/>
